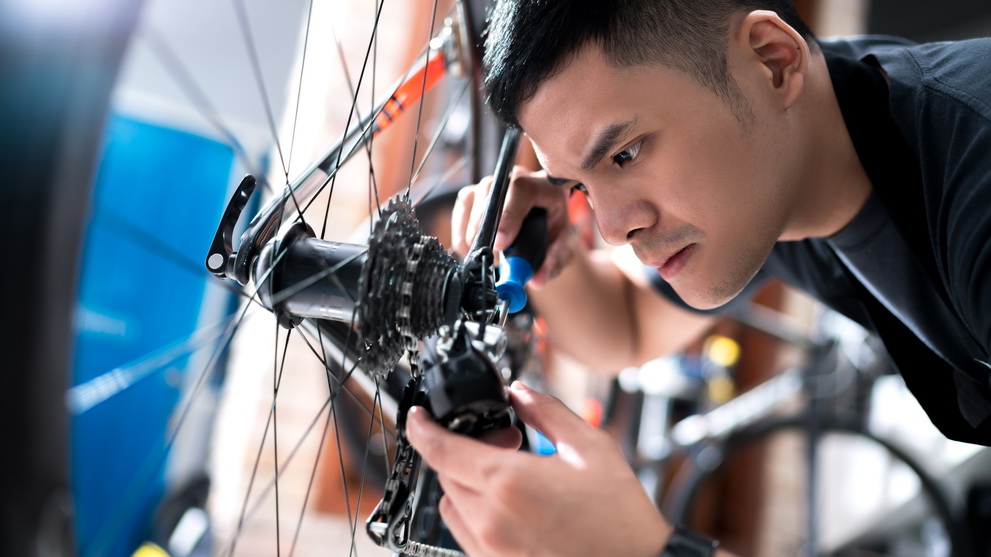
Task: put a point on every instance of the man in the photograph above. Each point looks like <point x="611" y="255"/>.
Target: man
<point x="722" y="143"/>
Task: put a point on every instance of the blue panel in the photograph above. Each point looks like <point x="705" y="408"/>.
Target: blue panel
<point x="156" y="203"/>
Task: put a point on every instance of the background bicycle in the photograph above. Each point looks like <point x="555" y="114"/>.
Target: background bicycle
<point x="739" y="469"/>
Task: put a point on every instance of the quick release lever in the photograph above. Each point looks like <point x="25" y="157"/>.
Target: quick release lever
<point x="220" y="260"/>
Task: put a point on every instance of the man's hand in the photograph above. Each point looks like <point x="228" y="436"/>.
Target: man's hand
<point x="583" y="500"/>
<point x="526" y="191"/>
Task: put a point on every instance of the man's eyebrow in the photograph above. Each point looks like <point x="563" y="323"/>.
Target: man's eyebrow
<point x="607" y="138"/>
<point x="558" y="181"/>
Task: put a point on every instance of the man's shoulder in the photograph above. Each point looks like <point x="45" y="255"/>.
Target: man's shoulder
<point x="859" y="46"/>
<point x="954" y="71"/>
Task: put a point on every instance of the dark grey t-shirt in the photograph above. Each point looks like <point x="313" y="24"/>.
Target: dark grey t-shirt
<point x="915" y="264"/>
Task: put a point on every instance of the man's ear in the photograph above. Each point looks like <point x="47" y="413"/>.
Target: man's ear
<point x="781" y="52"/>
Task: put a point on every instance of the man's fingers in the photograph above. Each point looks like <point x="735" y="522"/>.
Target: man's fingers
<point x="456" y="523"/>
<point x="463" y="459"/>
<point x="459" y="219"/>
<point x="548" y="415"/>
<point x="477" y="209"/>
<point x="529" y="190"/>
<point x="475" y="519"/>
<point x="558" y="255"/>
<point x="463" y="217"/>
<point x="505" y="438"/>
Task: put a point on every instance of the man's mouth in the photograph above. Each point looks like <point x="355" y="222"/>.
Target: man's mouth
<point x="676" y="262"/>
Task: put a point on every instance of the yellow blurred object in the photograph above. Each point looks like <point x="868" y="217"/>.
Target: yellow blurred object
<point x="721" y="389"/>
<point x="723" y="351"/>
<point x="149" y="549"/>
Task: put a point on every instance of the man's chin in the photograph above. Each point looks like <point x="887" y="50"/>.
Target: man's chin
<point x="708" y="299"/>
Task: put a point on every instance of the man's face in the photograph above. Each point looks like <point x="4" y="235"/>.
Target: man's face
<point x="669" y="169"/>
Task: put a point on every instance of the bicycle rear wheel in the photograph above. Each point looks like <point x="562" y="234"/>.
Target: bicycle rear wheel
<point x="165" y="397"/>
<point x="869" y="497"/>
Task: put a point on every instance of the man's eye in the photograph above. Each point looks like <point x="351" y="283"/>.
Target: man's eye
<point x="578" y="187"/>
<point x="627" y="155"/>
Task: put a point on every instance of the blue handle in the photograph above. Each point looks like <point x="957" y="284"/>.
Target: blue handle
<point x="522" y="259"/>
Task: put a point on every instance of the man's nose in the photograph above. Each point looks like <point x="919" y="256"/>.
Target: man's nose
<point x="619" y="221"/>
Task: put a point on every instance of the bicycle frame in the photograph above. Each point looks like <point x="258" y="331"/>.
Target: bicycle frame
<point x="224" y="262"/>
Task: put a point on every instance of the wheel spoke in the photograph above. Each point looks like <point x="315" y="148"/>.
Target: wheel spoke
<point x="419" y="110"/>
<point x="278" y="370"/>
<point x="183" y="78"/>
<point x="309" y="484"/>
<point x="351" y="112"/>
<point x="245" y="26"/>
<point x="341" y="382"/>
<point x="154" y="461"/>
<point x="299" y="88"/>
<point x="373" y="191"/>
<point x="249" y="510"/>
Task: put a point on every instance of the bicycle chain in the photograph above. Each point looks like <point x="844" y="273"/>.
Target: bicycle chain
<point x="417" y="549"/>
<point x="395" y="510"/>
<point x="405" y="319"/>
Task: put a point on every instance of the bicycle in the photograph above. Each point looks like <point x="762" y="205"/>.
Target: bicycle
<point x="777" y="459"/>
<point x="38" y="513"/>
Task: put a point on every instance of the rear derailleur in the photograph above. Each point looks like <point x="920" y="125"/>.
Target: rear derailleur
<point x="464" y="391"/>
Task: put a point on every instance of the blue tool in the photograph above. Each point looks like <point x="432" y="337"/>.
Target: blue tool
<point x="522" y="259"/>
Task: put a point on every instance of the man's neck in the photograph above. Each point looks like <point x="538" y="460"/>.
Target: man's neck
<point x="835" y="185"/>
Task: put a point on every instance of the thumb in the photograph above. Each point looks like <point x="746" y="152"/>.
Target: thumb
<point x="548" y="415"/>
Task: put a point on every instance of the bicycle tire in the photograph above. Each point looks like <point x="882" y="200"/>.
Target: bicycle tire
<point x="43" y="430"/>
<point x="708" y="463"/>
<point x="53" y="101"/>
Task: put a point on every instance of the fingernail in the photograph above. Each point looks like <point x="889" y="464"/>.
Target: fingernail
<point x="520" y="387"/>
<point x="499" y="241"/>
<point x="415" y="415"/>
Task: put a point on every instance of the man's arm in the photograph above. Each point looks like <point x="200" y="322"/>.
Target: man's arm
<point x="599" y="306"/>
<point x="602" y="311"/>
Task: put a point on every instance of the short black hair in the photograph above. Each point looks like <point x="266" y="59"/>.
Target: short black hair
<point x="528" y="41"/>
